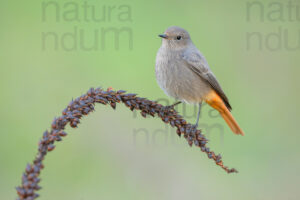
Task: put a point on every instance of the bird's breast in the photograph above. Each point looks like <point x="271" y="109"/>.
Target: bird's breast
<point x="166" y="71"/>
<point x="176" y="79"/>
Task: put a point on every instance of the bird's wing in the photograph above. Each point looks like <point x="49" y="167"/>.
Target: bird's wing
<point x="197" y="63"/>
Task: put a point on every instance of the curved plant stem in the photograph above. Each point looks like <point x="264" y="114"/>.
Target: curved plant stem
<point x="83" y="105"/>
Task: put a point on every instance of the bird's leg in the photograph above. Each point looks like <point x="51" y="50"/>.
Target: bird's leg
<point x="198" y="116"/>
<point x="171" y="107"/>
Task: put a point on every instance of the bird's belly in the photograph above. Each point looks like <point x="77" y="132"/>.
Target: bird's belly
<point x="179" y="82"/>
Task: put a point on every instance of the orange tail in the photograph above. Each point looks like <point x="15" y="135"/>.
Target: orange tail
<point x="215" y="101"/>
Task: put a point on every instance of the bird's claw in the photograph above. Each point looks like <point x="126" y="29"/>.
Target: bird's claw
<point x="168" y="108"/>
<point x="195" y="126"/>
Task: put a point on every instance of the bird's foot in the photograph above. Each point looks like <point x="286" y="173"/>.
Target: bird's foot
<point x="195" y="126"/>
<point x="171" y="107"/>
<point x="168" y="108"/>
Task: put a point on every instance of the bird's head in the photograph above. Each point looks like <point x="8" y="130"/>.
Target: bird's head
<point x="176" y="38"/>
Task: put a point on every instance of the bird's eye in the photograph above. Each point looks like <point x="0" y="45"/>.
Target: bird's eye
<point x="178" y="37"/>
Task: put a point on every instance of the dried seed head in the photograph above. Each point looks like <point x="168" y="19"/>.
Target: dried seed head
<point x="83" y="105"/>
<point x="51" y="147"/>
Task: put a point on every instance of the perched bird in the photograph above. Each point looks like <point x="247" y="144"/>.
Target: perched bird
<point x="183" y="73"/>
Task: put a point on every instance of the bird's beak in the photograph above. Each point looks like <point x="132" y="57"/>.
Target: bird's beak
<point x="163" y="36"/>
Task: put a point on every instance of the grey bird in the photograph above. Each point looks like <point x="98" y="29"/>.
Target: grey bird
<point x="183" y="73"/>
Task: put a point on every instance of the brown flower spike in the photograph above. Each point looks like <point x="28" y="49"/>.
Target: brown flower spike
<point x="83" y="106"/>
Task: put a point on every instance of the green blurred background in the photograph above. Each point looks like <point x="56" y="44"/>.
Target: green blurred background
<point x="108" y="156"/>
